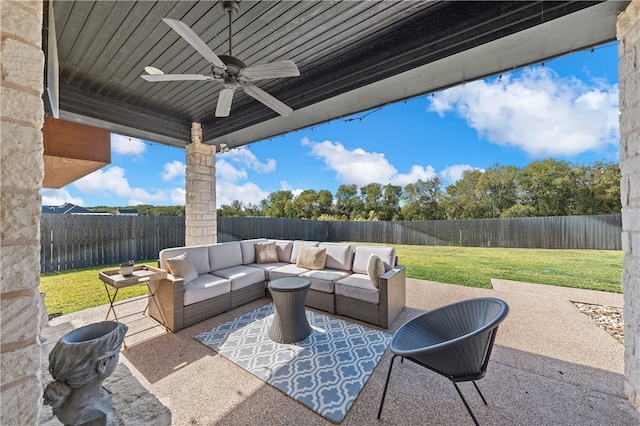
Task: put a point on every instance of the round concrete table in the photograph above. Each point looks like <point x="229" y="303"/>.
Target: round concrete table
<point x="289" y="320"/>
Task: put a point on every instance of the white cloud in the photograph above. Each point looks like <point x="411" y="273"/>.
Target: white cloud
<point x="226" y="171"/>
<point x="178" y="196"/>
<point x="417" y="172"/>
<point x="360" y="167"/>
<point x="172" y="170"/>
<point x="249" y="192"/>
<point x="284" y="185"/>
<point x="57" y="197"/>
<point x="231" y="175"/>
<point x="538" y="112"/>
<point x="112" y="181"/>
<point x="452" y="174"/>
<point x="244" y="157"/>
<point x="125" y="145"/>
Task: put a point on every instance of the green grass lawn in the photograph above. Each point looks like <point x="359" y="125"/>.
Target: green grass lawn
<point x="72" y="291"/>
<point x="475" y="266"/>
<point x="79" y="289"/>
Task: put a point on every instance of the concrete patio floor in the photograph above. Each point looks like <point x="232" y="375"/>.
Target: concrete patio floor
<point x="551" y="365"/>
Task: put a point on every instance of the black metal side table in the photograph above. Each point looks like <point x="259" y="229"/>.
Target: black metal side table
<point x="289" y="320"/>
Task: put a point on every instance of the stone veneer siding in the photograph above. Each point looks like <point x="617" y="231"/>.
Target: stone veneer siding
<point x="21" y="174"/>
<point x="200" y="208"/>
<point x="628" y="29"/>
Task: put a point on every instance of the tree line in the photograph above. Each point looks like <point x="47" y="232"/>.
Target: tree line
<point x="542" y="188"/>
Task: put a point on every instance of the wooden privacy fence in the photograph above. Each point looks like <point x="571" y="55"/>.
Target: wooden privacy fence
<point x="560" y="232"/>
<point x="79" y="241"/>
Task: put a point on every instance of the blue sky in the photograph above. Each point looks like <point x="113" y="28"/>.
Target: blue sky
<point x="565" y="109"/>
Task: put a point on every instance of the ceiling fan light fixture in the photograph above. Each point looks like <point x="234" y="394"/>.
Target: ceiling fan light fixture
<point x="153" y="70"/>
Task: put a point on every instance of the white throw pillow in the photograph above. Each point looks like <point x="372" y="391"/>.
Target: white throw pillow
<point x="182" y="267"/>
<point x="311" y="257"/>
<point x="375" y="268"/>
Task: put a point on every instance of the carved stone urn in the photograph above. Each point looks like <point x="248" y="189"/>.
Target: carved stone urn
<point x="79" y="363"/>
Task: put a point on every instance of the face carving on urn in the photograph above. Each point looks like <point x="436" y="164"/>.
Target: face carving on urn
<point x="79" y="363"/>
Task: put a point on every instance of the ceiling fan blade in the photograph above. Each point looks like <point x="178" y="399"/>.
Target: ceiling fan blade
<point x="175" y="77"/>
<point x="262" y="96"/>
<point x="273" y="70"/>
<point x="224" y="102"/>
<point x="192" y="38"/>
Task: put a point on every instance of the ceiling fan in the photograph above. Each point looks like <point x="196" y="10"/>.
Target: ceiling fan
<point x="228" y="70"/>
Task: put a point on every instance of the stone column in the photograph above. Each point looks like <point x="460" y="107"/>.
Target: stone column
<point x="200" y="208"/>
<point x="628" y="29"/>
<point x="21" y="175"/>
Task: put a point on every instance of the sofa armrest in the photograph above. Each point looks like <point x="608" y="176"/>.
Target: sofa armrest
<point x="169" y="295"/>
<point x="393" y="295"/>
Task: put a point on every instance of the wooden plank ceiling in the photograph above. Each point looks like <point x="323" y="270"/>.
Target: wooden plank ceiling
<point x="340" y="47"/>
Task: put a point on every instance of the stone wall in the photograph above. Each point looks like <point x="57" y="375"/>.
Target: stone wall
<point x="21" y="174"/>
<point x="200" y="208"/>
<point x="628" y="29"/>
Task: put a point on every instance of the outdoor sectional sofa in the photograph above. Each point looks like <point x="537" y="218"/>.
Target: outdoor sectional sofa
<point x="228" y="275"/>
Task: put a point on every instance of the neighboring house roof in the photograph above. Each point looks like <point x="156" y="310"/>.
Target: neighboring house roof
<point x="132" y="212"/>
<point x="68" y="208"/>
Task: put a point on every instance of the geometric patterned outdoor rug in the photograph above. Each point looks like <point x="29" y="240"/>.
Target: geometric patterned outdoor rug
<point x="325" y="371"/>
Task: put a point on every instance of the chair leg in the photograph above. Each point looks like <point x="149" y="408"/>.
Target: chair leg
<point x="386" y="384"/>
<point x="466" y="405"/>
<point x="479" y="393"/>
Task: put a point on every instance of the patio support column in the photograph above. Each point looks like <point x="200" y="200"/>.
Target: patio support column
<point x="21" y="175"/>
<point x="628" y="31"/>
<point x="200" y="208"/>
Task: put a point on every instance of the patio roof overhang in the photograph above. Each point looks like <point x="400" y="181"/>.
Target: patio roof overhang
<point x="352" y="56"/>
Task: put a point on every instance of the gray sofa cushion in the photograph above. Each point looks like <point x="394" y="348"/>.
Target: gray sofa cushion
<point x="224" y="255"/>
<point x="325" y="279"/>
<point x="361" y="258"/>
<point x="199" y="256"/>
<point x="268" y="266"/>
<point x="205" y="287"/>
<point x="241" y="276"/>
<point x="296" y="248"/>
<point x="358" y="286"/>
<point x="288" y="270"/>
<point x="339" y="256"/>
<point x="248" y="250"/>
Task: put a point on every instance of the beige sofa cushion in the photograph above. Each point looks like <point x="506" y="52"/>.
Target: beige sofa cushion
<point x="224" y="255"/>
<point x="311" y="257"/>
<point x="266" y="252"/>
<point x="339" y="256"/>
<point x="288" y="270"/>
<point x="182" y="267"/>
<point x="375" y="269"/>
<point x="324" y="280"/>
<point x="199" y="255"/>
<point x="358" y="286"/>
<point x="241" y="276"/>
<point x="361" y="257"/>
<point x="205" y="287"/>
<point x="248" y="250"/>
